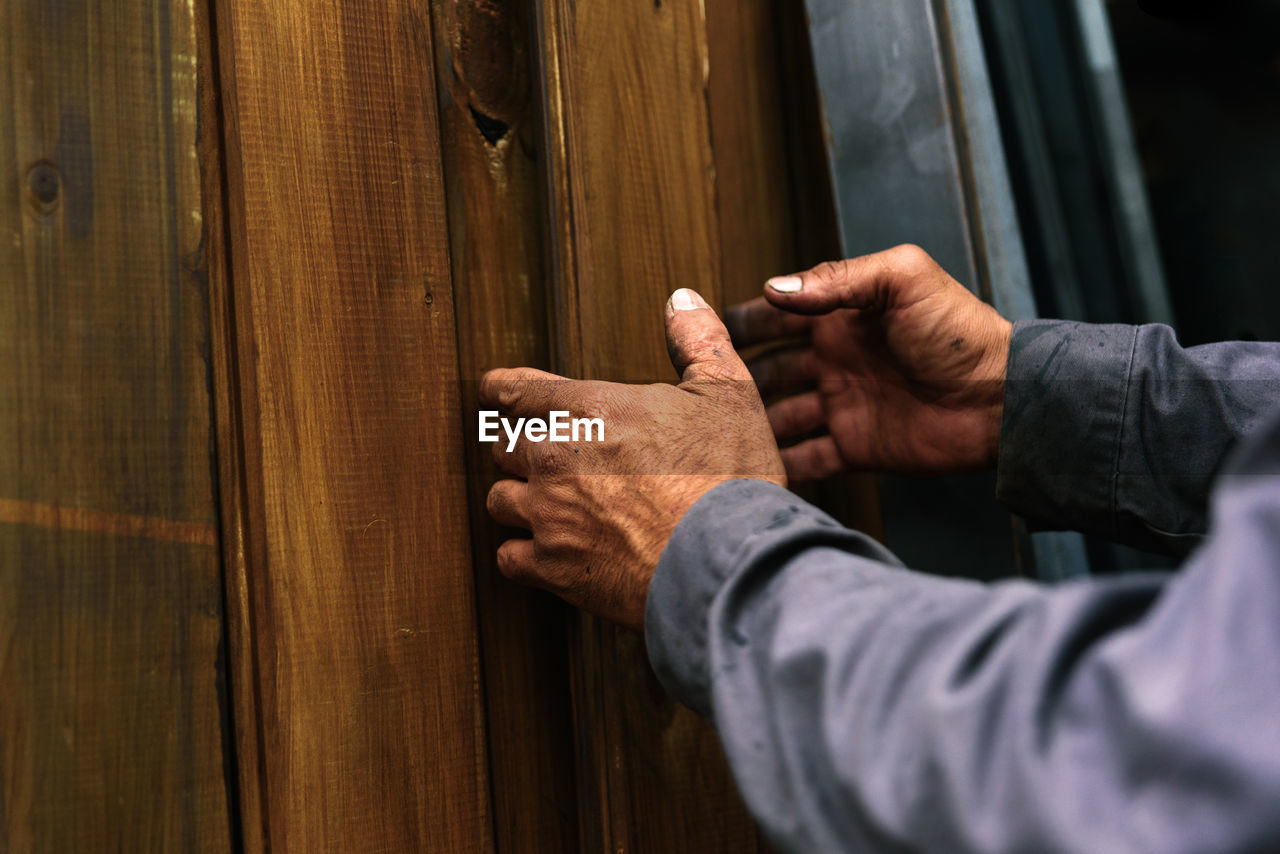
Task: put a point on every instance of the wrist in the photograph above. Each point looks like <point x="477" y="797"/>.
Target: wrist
<point x="994" y="374"/>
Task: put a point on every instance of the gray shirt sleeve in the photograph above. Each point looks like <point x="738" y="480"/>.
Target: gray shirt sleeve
<point x="1119" y="431"/>
<point x="866" y="707"/>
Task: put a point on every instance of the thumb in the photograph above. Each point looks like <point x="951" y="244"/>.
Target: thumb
<point x="698" y="341"/>
<point x="876" y="282"/>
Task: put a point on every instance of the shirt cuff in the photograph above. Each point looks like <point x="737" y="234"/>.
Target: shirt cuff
<point x="734" y="526"/>
<point x="1064" y="408"/>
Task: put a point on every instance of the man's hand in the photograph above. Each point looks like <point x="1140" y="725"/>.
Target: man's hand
<point x="900" y="367"/>
<point x="602" y="512"/>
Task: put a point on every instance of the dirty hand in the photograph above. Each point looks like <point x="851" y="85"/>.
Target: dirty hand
<point x="601" y="512"/>
<point x="900" y="368"/>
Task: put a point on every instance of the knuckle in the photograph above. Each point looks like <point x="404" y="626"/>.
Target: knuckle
<point x="596" y="403"/>
<point x="511" y="391"/>
<point x="548" y="460"/>
<point x="495" y="386"/>
<point x="719" y="372"/>
<point x="910" y="257"/>
<point x="829" y="272"/>
<point x="700" y="347"/>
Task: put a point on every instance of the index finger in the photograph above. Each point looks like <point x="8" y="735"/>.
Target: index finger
<point x="524" y="391"/>
<point x="758" y="322"/>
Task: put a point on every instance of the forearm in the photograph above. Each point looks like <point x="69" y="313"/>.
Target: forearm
<point x="1118" y="431"/>
<point x="866" y="707"/>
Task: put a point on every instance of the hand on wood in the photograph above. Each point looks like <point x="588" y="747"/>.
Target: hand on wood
<point x="601" y="512"/>
<point x="885" y="363"/>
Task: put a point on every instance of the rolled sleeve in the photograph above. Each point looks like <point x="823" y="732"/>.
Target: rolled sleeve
<point x="1064" y="412"/>
<point x="1120" y="431"/>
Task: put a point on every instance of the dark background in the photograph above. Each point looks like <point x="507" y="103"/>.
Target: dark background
<point x="1203" y="84"/>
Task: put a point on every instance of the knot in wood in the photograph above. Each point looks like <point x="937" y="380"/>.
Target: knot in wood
<point x="44" y="185"/>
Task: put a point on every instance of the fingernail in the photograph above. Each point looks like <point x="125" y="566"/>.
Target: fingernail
<point x="786" y="284"/>
<point x="685" y="299"/>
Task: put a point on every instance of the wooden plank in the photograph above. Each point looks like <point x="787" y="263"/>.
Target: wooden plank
<point x="632" y="216"/>
<point x="813" y="204"/>
<point x="110" y="590"/>
<point x="357" y="561"/>
<point x="627" y="112"/>
<point x="489" y="130"/>
<point x="749" y="136"/>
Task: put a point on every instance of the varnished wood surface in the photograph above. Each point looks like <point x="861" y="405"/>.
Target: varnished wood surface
<point x="358" y="584"/>
<point x="632" y="216"/>
<point x="749" y="137"/>
<point x="488" y="106"/>
<point x="110" y="590"/>
<point x="627" y="90"/>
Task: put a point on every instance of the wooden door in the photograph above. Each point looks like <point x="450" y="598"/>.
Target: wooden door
<point x="254" y="258"/>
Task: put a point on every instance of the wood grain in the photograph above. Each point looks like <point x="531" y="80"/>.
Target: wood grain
<point x="110" y="588"/>
<point x="357" y="558"/>
<point x="632" y="216"/>
<point x="489" y="132"/>
<point x="749" y="136"/>
<point x="632" y="176"/>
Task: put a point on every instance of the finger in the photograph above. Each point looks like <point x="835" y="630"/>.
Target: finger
<point x="515" y="560"/>
<point x="784" y="372"/>
<point x="525" y="391"/>
<point x="513" y="462"/>
<point x="758" y="322"/>
<point x="795" y="416"/>
<point x="698" y="342"/>
<point x="508" y="503"/>
<point x="896" y="276"/>
<point x="813" y="459"/>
